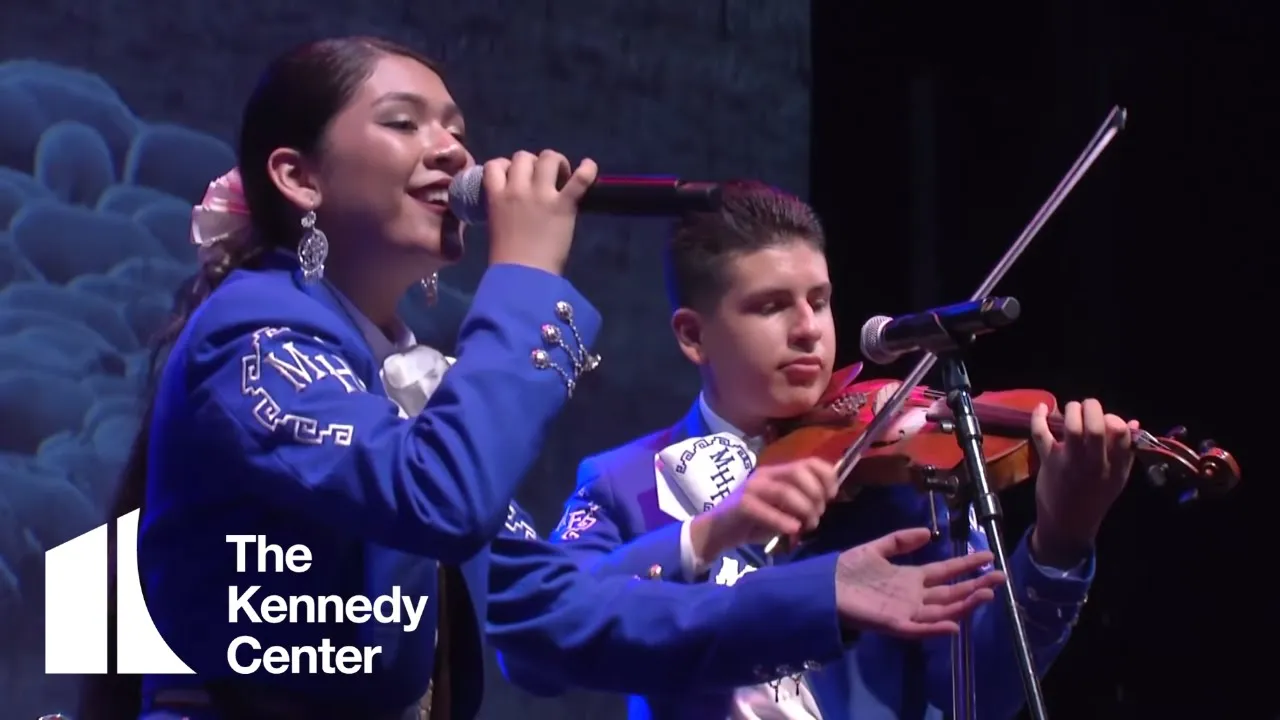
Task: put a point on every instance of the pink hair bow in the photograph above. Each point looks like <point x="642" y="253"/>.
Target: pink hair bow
<point x="222" y="214"/>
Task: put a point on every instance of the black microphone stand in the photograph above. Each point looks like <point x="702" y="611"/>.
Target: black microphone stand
<point x="972" y="493"/>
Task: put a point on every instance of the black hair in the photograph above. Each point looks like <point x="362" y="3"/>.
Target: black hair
<point x="292" y="106"/>
<point x="752" y="216"/>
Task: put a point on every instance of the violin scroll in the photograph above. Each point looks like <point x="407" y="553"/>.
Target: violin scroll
<point x="1206" y="472"/>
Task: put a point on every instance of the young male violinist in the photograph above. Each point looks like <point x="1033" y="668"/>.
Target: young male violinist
<point x="751" y="308"/>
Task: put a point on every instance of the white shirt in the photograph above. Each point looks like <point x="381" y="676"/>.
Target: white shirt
<point x="409" y="372"/>
<point x="757" y="702"/>
<point x="381" y="346"/>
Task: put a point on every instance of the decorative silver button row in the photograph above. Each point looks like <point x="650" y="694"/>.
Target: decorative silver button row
<point x="581" y="359"/>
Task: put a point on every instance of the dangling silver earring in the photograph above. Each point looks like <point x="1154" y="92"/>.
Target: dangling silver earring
<point x="431" y="286"/>
<point x="313" y="249"/>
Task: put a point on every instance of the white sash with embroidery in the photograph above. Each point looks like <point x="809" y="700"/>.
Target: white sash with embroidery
<point x="693" y="476"/>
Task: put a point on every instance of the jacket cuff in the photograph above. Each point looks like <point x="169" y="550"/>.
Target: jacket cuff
<point x="1051" y="600"/>
<point x="652" y="556"/>
<point x="553" y="323"/>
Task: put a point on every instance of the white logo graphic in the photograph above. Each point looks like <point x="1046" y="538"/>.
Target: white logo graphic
<point x="76" y="612"/>
<point x="75" y="609"/>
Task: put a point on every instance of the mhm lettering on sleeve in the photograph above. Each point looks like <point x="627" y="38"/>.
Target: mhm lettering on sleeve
<point x="299" y="371"/>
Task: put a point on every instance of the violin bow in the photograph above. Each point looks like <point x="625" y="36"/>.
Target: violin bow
<point x="1110" y="127"/>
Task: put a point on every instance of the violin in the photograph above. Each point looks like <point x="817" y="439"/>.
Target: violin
<point x="886" y="432"/>
<point x="919" y="449"/>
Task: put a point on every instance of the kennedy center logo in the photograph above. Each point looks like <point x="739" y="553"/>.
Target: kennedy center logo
<point x="75" y="609"/>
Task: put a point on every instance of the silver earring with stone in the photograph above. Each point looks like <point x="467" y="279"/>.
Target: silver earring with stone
<point x="431" y="286"/>
<point x="313" y="249"/>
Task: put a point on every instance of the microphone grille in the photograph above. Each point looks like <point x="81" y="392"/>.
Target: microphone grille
<point x="872" y="342"/>
<point x="466" y="196"/>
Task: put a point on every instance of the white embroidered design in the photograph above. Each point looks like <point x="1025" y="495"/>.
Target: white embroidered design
<point x="576" y="522"/>
<point x="301" y="371"/>
<point x="731" y="571"/>
<point x="518" y="525"/>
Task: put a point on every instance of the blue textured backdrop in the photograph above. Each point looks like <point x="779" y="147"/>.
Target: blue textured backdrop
<point x="114" y="116"/>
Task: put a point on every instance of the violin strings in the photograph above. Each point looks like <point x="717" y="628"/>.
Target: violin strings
<point x="997" y="413"/>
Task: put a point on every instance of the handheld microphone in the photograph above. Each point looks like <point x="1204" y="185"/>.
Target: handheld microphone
<point x="885" y="339"/>
<point x="633" y="196"/>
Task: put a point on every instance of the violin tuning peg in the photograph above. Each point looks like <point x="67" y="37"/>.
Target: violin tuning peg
<point x="1157" y="476"/>
<point x="1178" y="433"/>
<point x="1205" y="446"/>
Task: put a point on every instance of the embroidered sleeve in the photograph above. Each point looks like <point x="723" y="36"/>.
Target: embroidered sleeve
<point x="586" y="526"/>
<point x="308" y="437"/>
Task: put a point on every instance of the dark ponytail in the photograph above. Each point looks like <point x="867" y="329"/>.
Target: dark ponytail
<point x="113" y="696"/>
<point x="291" y="107"/>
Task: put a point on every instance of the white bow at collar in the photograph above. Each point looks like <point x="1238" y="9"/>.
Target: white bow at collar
<point x="411" y="376"/>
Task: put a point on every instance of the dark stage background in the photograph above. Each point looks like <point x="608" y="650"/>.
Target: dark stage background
<point x="936" y="132"/>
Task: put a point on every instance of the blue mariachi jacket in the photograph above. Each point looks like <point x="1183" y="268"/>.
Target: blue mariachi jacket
<point x="626" y="634"/>
<point x="613" y="524"/>
<point x="271" y="420"/>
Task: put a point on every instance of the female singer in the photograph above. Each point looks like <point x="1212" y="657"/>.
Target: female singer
<point x="301" y="452"/>
<point x="269" y="419"/>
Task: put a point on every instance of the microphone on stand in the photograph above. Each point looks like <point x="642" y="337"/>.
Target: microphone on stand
<point x="623" y="195"/>
<point x="885" y="339"/>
